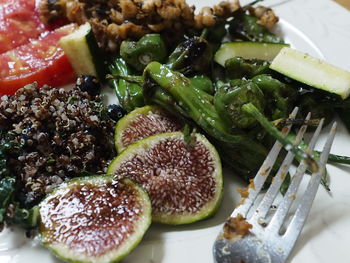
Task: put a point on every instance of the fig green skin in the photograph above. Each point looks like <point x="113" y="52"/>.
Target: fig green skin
<point x="177" y="219"/>
<point x="112" y="256"/>
<point x="124" y="122"/>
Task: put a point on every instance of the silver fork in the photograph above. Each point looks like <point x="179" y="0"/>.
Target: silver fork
<point x="264" y="242"/>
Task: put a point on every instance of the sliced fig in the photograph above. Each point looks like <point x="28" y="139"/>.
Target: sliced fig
<point x="141" y="123"/>
<point x="183" y="181"/>
<point x="94" y="219"/>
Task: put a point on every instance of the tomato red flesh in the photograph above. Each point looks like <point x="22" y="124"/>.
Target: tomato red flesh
<point x="19" y="22"/>
<point x="41" y="60"/>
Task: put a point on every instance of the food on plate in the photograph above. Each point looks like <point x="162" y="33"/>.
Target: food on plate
<point x="141" y="123"/>
<point x="250" y="27"/>
<point x="115" y="21"/>
<point x="236" y="228"/>
<point x="247" y="50"/>
<point x="51" y="135"/>
<point x="312" y="71"/>
<point x="150" y="47"/>
<point x="42" y="60"/>
<point x="83" y="52"/>
<point x="207" y="74"/>
<point x="94" y="219"/>
<point x="89" y="84"/>
<point x="115" y="112"/>
<point x="20" y="22"/>
<point x="183" y="179"/>
<point x="129" y="94"/>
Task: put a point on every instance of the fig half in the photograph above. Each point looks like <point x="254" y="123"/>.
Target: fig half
<point x="94" y="219"/>
<point x="141" y="123"/>
<point x="183" y="181"/>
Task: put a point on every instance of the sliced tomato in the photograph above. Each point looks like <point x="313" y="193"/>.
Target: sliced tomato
<point x="19" y="22"/>
<point x="41" y="60"/>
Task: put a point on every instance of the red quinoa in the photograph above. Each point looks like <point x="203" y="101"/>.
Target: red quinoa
<point x="61" y="134"/>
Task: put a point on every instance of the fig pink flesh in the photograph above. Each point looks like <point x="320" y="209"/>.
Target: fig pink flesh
<point x="147" y="125"/>
<point x="91" y="219"/>
<point x="177" y="177"/>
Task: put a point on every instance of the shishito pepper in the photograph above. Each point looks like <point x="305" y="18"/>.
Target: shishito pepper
<point x="229" y="100"/>
<point x="129" y="94"/>
<point x="238" y="67"/>
<point x="194" y="55"/>
<point x="279" y="96"/>
<point x="246" y="27"/>
<point x="199" y="106"/>
<point x="138" y="54"/>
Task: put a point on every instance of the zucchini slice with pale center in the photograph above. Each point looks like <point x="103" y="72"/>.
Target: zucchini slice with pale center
<point x="247" y="50"/>
<point x="83" y="52"/>
<point x="312" y="71"/>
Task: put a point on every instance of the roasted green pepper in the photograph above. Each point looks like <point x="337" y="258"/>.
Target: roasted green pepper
<point x="238" y="67"/>
<point x="229" y="100"/>
<point x="279" y="96"/>
<point x="246" y="27"/>
<point x="138" y="54"/>
<point x="128" y="93"/>
<point x="194" y="55"/>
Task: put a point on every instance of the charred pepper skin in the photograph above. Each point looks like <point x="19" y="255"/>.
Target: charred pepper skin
<point x="244" y="154"/>
<point x="279" y="96"/>
<point x="193" y="56"/>
<point x="129" y="94"/>
<point x="199" y="106"/>
<point x="246" y="27"/>
<point x="237" y="68"/>
<point x="150" y="47"/>
<point x="229" y="100"/>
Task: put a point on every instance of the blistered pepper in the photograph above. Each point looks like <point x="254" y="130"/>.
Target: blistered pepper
<point x="129" y="94"/>
<point x="150" y="47"/>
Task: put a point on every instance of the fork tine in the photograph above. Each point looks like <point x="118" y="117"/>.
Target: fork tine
<point x="278" y="179"/>
<point x="263" y="173"/>
<point x="282" y="210"/>
<point x="303" y="209"/>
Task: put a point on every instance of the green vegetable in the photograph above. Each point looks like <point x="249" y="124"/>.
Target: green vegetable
<point x="272" y="130"/>
<point x="26" y="218"/>
<point x="316" y="156"/>
<point x="312" y="71"/>
<point x="203" y="83"/>
<point x="138" y="54"/>
<point x="199" y="107"/>
<point x="7" y="189"/>
<point x="246" y="27"/>
<point x="229" y="100"/>
<point x="83" y="52"/>
<point x="128" y="93"/>
<point x="238" y="67"/>
<point x="194" y="55"/>
<point x="279" y="96"/>
<point x="311" y="102"/>
<point x="247" y="50"/>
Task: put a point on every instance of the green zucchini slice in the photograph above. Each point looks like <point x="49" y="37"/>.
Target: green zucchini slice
<point x="247" y="50"/>
<point x="312" y="71"/>
<point x="83" y="52"/>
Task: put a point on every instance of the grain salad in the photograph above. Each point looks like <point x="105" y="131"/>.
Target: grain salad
<point x="57" y="135"/>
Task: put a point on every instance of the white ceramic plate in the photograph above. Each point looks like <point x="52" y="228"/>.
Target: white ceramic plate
<point x="321" y="28"/>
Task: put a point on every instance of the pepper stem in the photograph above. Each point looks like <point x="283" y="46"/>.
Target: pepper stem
<point x="334" y="158"/>
<point x="129" y="78"/>
<point x="250" y="109"/>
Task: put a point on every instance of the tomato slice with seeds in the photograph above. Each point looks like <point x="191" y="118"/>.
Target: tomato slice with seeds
<point x="41" y="60"/>
<point x="19" y="22"/>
